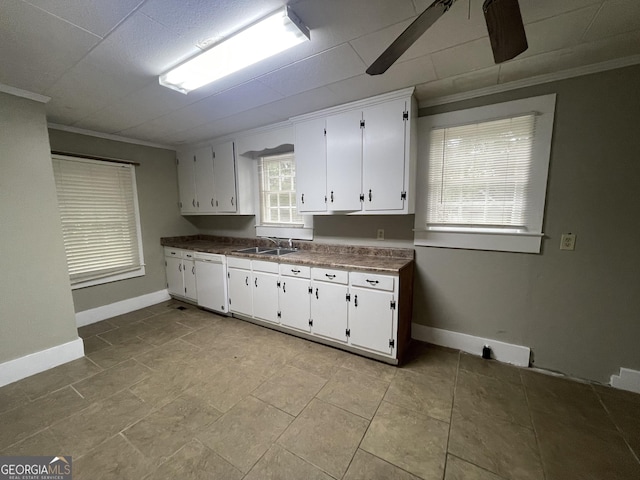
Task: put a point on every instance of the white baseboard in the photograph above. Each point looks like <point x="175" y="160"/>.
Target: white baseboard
<point x="87" y="317"/>
<point x="503" y="352"/>
<point x="37" y="362"/>
<point x="627" y="380"/>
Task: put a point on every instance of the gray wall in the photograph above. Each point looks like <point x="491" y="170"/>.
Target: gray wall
<point x="156" y="180"/>
<point x="578" y="311"/>
<point x="36" y="309"/>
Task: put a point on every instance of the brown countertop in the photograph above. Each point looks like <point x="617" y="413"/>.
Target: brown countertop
<point x="345" y="257"/>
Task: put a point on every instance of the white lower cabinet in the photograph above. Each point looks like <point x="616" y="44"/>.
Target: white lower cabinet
<point x="294" y="297"/>
<point x="240" y="286"/>
<point x="181" y="273"/>
<point x="329" y="304"/>
<point x="265" y="291"/>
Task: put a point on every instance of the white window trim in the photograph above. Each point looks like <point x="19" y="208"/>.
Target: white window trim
<point x="489" y="239"/>
<point x="304" y="232"/>
<point x="137" y="272"/>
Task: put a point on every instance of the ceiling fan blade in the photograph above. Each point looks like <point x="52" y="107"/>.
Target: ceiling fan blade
<point x="506" y="30"/>
<point x="407" y="38"/>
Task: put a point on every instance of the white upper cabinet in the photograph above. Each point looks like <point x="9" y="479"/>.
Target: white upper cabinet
<point x="212" y="181"/>
<point x="311" y="166"/>
<point x="369" y="156"/>
<point x="344" y="161"/>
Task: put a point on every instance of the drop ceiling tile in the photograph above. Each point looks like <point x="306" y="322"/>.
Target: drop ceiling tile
<point x="461" y="83"/>
<point x="616" y="16"/>
<point x="400" y="75"/>
<point x="558" y="32"/>
<point x="96" y="16"/>
<point x="301" y="103"/>
<point x="533" y="11"/>
<point x="331" y="66"/>
<point x="620" y="46"/>
<point x="36" y="47"/>
<point x="235" y="123"/>
<point x="464" y="58"/>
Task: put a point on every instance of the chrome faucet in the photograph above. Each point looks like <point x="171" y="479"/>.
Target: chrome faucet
<point x="274" y="240"/>
<point x="291" y="243"/>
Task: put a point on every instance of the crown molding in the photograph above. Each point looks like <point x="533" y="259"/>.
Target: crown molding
<point x="108" y="136"/>
<point x="17" y="92"/>
<point x="531" y="81"/>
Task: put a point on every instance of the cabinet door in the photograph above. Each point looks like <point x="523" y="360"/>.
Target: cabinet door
<point x="175" y="282"/>
<point x="383" y="156"/>
<point x="224" y="178"/>
<point x="186" y="182"/>
<point x="329" y="309"/>
<point x="265" y="296"/>
<point x="344" y="161"/>
<point x="240" y="291"/>
<point x="189" y="273"/>
<point x="211" y="285"/>
<point x="295" y="306"/>
<point x="204" y="180"/>
<point x="311" y="166"/>
<point x="371" y="320"/>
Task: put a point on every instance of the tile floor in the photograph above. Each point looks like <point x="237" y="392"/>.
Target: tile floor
<point x="167" y="394"/>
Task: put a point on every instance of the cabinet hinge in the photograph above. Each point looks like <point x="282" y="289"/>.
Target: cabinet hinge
<point x="310" y="290"/>
<point x="392" y="343"/>
<point x="214" y="154"/>
<point x="405" y="115"/>
<point x="348" y="332"/>
<point x="185" y="290"/>
<point x="279" y="314"/>
<point x="348" y="297"/>
<point x="393" y="304"/>
<point x="194" y="158"/>
<point x="325" y="132"/>
<point x="325" y="199"/>
<point x="362" y="197"/>
<point x="403" y="195"/>
<point x="310" y="322"/>
<point x="361" y="123"/>
<point x="167" y="284"/>
<point x="228" y="275"/>
<point x="177" y="161"/>
<point x="165" y="263"/>
<point x="229" y="301"/>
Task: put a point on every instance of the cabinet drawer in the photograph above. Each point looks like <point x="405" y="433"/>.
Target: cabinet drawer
<point x="173" y="252"/>
<point x="188" y="255"/>
<point x="370" y="280"/>
<point x="267" y="267"/>
<point x="235" y="262"/>
<point x="332" y="276"/>
<point x="295" y="271"/>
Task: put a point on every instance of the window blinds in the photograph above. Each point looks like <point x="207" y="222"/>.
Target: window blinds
<point x="97" y="202"/>
<point x="479" y="174"/>
<point x="278" y="191"/>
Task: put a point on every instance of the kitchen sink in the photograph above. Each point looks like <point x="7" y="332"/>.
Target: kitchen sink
<point x="279" y="251"/>
<point x="255" y="250"/>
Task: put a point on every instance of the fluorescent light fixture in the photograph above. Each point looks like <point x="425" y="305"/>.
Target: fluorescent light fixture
<point x="273" y="34"/>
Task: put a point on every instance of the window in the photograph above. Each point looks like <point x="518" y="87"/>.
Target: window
<point x="278" y="210"/>
<point x="484" y="172"/>
<point x="100" y="220"/>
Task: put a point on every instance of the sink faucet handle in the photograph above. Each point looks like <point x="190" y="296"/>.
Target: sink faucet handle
<point x="290" y="243"/>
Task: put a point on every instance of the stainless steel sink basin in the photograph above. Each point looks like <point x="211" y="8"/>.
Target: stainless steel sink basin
<point x="278" y="251"/>
<point x="255" y="250"/>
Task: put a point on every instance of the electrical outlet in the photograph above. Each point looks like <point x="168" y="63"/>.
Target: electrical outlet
<point x="380" y="235"/>
<point x="568" y="241"/>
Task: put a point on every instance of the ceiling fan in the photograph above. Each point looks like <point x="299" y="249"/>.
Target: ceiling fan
<point x="504" y="23"/>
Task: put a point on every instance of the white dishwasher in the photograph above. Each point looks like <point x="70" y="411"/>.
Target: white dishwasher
<point x="211" y="281"/>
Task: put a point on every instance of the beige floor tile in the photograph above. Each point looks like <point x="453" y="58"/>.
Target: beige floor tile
<point x="112" y="380"/>
<point x="122" y="334"/>
<point x="354" y="392"/>
<point x="381" y="371"/>
<point x="166" y="333"/>
<point x="58" y="377"/>
<point x="24" y="421"/>
<point x="425" y="393"/>
<point x="131" y="317"/>
<point x="279" y="464"/>
<point x="161" y="434"/>
<point x="416" y="443"/>
<point x="243" y="434"/>
<point x="290" y="390"/>
<point x="489" y="396"/>
<point x="115" y="459"/>
<point x="94" y="344"/>
<point x="169" y="354"/>
<point x="502" y="447"/>
<point x="618" y="393"/>
<point x="322" y="362"/>
<point x="96" y="328"/>
<point x="194" y="461"/>
<point x="581" y="452"/>
<point x="490" y="368"/>
<point x="624" y="412"/>
<point x="87" y="429"/>
<point x="170" y="317"/>
<point x="365" y="466"/>
<point x="325" y="436"/>
<point x="43" y="443"/>
<point x="11" y="396"/>
<point x="120" y="352"/>
<point x="423" y="358"/>
<point x="199" y="320"/>
<point x="567" y="400"/>
<point x="458" y="469"/>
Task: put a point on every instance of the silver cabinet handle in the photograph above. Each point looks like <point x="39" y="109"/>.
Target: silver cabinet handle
<point x="331" y="196"/>
<point x="355" y="301"/>
<point x="369" y="194"/>
<point x="316" y="293"/>
<point x="246" y="281"/>
<point x="255" y="280"/>
<point x="284" y="287"/>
